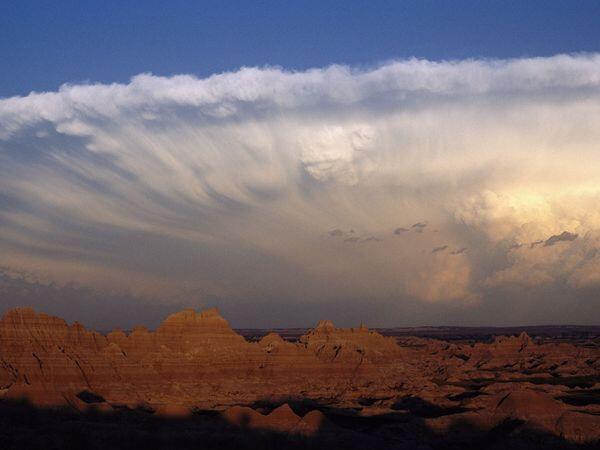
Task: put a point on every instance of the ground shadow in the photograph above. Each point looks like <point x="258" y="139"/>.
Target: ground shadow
<point x="23" y="426"/>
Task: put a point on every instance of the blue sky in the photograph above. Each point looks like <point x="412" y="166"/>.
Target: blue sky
<point x="47" y="43"/>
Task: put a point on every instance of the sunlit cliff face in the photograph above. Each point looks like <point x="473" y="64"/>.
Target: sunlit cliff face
<point x="463" y="192"/>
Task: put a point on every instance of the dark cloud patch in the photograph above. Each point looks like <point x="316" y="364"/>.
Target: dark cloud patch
<point x="419" y="227"/>
<point x="350" y="236"/>
<point x="400" y="230"/>
<point x="371" y="239"/>
<point x="338" y="232"/>
<point x="535" y="244"/>
<point x="515" y="246"/>
<point x="565" y="236"/>
<point x="459" y="251"/>
<point x="439" y="249"/>
<point x="361" y="240"/>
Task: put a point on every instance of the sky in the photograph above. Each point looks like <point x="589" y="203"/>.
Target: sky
<point x="405" y="163"/>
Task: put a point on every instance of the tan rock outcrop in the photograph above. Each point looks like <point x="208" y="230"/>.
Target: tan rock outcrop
<point x="195" y="360"/>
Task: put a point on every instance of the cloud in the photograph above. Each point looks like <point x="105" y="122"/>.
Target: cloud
<point x="568" y="268"/>
<point x="371" y="239"/>
<point x="565" y="236"/>
<point x="439" y="249"/>
<point x="361" y="239"/>
<point x="536" y="243"/>
<point x="419" y="226"/>
<point x="444" y="281"/>
<point x="168" y="184"/>
<point x="459" y="251"/>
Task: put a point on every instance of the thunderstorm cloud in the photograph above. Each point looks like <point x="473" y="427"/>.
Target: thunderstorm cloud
<point x="238" y="190"/>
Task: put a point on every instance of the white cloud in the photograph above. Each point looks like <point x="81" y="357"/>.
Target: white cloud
<point x="337" y="153"/>
<point x="237" y="174"/>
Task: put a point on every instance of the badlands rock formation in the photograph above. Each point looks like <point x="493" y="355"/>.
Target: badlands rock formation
<point x="195" y="362"/>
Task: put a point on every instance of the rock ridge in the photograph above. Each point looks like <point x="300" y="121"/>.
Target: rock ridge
<point x="194" y="360"/>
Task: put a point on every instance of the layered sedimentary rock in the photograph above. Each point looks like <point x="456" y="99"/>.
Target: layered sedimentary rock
<point x="195" y="361"/>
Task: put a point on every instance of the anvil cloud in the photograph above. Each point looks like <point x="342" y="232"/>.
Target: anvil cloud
<point x="461" y="191"/>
